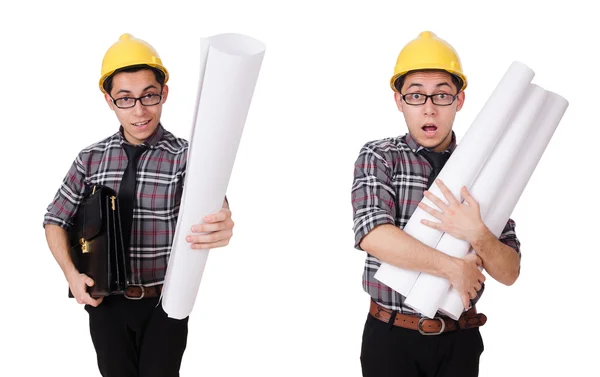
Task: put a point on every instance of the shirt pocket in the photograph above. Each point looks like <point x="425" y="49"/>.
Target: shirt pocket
<point x="160" y="194"/>
<point x="156" y="211"/>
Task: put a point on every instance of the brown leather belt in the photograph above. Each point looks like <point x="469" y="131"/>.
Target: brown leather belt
<point x="428" y="326"/>
<point x="138" y="292"/>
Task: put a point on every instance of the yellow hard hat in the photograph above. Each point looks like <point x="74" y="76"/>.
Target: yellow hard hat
<point x="129" y="51"/>
<point x="428" y="51"/>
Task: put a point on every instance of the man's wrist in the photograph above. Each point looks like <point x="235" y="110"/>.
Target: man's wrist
<point x="481" y="235"/>
<point x="447" y="266"/>
<point x="70" y="272"/>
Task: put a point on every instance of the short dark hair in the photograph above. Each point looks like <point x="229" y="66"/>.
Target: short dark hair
<point x="457" y="81"/>
<point x="160" y="76"/>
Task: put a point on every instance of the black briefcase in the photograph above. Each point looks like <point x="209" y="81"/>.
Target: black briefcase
<point x="96" y="243"/>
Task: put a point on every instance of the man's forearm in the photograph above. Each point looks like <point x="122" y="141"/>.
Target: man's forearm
<point x="499" y="260"/>
<point x="58" y="242"/>
<point x="392" y="245"/>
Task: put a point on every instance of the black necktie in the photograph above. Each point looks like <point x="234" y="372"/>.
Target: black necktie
<point x="127" y="191"/>
<point x="437" y="162"/>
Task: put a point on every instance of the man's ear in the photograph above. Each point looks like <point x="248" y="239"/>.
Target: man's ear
<point x="109" y="101"/>
<point x="399" y="102"/>
<point x="165" y="93"/>
<point x="460" y="100"/>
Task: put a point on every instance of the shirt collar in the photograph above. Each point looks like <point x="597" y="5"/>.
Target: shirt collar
<point x="150" y="142"/>
<point x="415" y="147"/>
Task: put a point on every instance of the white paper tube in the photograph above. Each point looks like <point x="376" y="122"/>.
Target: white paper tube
<point x="507" y="198"/>
<point x="230" y="64"/>
<point x="428" y="290"/>
<point x="464" y="165"/>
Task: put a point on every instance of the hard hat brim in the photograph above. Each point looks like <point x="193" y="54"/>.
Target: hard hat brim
<point x="404" y="73"/>
<point x="150" y="65"/>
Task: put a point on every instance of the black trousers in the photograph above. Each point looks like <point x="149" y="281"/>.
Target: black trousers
<point x="135" y="338"/>
<point x="389" y="350"/>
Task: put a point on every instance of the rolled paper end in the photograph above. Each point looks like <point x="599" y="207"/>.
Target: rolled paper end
<point x="400" y="280"/>
<point x="236" y="44"/>
<point x="452" y="305"/>
<point x="174" y="311"/>
<point x="518" y="65"/>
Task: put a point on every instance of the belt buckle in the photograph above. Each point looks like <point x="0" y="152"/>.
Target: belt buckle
<point x="136" y="298"/>
<point x="420" y="326"/>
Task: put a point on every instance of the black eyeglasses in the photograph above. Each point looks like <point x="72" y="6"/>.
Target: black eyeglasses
<point x="129" y="102"/>
<point x="440" y="99"/>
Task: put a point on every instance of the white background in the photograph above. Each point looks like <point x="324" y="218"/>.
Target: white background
<point x="285" y="298"/>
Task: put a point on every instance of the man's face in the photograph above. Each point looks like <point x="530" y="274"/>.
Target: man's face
<point x="139" y="122"/>
<point x="430" y="125"/>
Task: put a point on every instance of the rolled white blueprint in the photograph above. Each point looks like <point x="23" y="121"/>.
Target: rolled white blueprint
<point x="428" y="290"/>
<point x="527" y="160"/>
<point x="230" y="64"/>
<point x="464" y="165"/>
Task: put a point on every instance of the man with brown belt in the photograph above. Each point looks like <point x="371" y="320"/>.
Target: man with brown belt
<point x="146" y="164"/>
<point x="391" y="176"/>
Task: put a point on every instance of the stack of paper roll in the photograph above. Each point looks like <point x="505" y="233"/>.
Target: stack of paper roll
<point x="230" y="64"/>
<point x="494" y="160"/>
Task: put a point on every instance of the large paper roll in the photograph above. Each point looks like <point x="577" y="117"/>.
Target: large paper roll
<point x="230" y="64"/>
<point x="428" y="290"/>
<point x="528" y="158"/>
<point x="464" y="165"/>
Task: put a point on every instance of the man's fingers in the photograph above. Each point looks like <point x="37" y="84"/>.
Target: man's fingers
<point x="432" y="224"/>
<point x="437" y="201"/>
<point x="211" y="237"/>
<point x="468" y="197"/>
<point x="481" y="277"/>
<point x="433" y="212"/>
<point x="222" y="215"/>
<point x="446" y="191"/>
<point x="480" y="281"/>
<point x="91" y="301"/>
<point x="87" y="299"/>
<point x="211" y="245"/>
<point x="466" y="301"/>
<point x="209" y="227"/>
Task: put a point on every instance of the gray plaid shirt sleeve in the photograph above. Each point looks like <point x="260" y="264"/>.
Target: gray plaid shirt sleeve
<point x="68" y="197"/>
<point x="373" y="194"/>
<point x="509" y="236"/>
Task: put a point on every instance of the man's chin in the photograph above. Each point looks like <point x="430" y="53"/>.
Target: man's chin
<point x="429" y="143"/>
<point x="142" y="133"/>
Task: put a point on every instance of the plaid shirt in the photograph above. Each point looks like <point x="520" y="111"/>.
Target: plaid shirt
<point x="389" y="181"/>
<point x="160" y="176"/>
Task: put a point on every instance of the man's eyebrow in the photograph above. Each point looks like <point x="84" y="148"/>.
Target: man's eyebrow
<point x="415" y="84"/>
<point x="146" y="88"/>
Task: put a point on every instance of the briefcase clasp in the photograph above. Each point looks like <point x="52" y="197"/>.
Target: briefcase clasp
<point x="84" y="245"/>
<point x="112" y="199"/>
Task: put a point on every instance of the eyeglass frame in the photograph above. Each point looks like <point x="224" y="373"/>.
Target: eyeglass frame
<point x="428" y="96"/>
<point x="135" y="100"/>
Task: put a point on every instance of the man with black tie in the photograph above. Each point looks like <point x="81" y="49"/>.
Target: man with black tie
<point x="391" y="176"/>
<point x="146" y="165"/>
